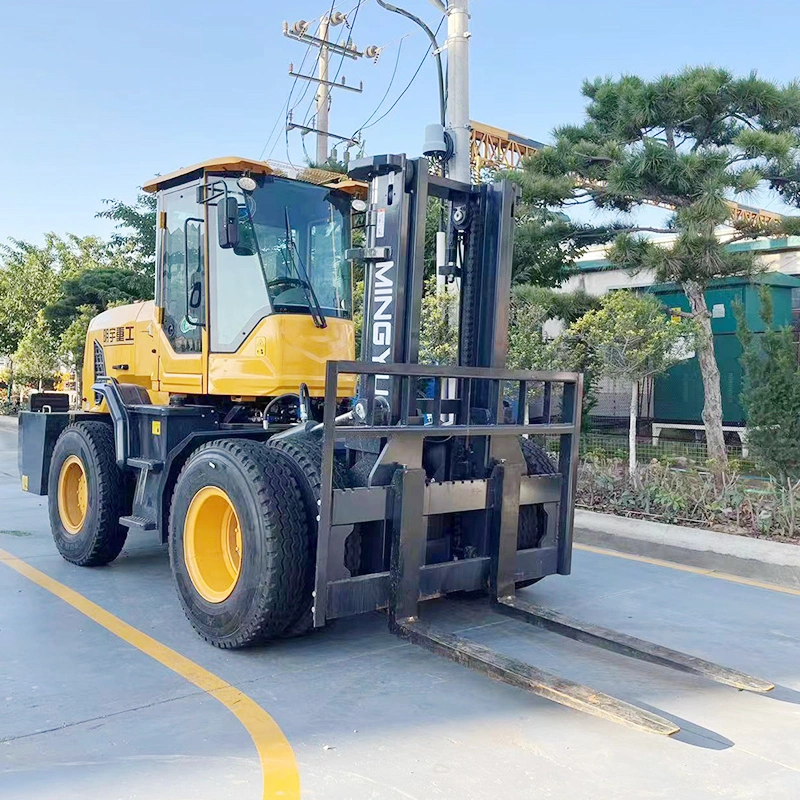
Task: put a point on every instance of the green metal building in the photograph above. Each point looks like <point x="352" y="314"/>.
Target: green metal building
<point x="678" y="394"/>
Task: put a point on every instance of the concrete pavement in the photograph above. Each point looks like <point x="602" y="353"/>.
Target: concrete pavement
<point x="86" y="715"/>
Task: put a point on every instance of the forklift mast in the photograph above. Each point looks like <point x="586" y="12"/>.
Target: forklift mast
<point x="480" y="223"/>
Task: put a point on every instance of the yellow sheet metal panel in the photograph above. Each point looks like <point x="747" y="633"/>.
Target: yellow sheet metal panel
<point x="236" y="164"/>
<point x="223" y="164"/>
<point x="128" y="337"/>
<point x="294" y="352"/>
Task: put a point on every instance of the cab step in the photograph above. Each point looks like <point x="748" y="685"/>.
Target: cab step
<point x="134" y="523"/>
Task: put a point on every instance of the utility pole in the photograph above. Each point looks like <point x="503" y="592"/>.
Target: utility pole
<point x="323" y="92"/>
<point x="299" y="32"/>
<point x="458" y="88"/>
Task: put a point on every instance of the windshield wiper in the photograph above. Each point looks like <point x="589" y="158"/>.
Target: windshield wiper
<point x="314" y="307"/>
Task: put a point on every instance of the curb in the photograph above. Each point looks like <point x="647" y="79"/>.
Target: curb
<point x="759" y="559"/>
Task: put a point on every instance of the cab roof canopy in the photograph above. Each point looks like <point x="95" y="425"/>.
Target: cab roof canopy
<point x="320" y="177"/>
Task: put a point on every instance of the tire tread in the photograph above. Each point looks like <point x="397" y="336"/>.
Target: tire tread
<point x="279" y="501"/>
<point x="111" y="536"/>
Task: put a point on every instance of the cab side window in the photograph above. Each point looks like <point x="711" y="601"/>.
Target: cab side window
<point x="182" y="292"/>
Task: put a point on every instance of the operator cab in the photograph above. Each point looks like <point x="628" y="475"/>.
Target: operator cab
<point x="240" y="245"/>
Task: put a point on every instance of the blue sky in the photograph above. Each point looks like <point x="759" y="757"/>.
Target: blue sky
<point x="99" y="95"/>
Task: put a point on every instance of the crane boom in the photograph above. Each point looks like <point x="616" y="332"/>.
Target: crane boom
<point x="495" y="148"/>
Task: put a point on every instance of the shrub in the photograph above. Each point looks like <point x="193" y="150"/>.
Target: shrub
<point x="771" y="395"/>
<point x="690" y="496"/>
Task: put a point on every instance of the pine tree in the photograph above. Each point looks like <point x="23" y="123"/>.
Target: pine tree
<point x="690" y="142"/>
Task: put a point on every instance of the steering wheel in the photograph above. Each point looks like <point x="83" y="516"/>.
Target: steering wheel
<point x="285" y="282"/>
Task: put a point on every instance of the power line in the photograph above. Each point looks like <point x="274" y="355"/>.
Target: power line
<point x="308" y="113"/>
<point x="351" y="29"/>
<point x="283" y="113"/>
<point x="386" y="93"/>
<point x="316" y="64"/>
<point x="336" y="4"/>
<point x="321" y="40"/>
<point x="408" y="86"/>
<point x="316" y="61"/>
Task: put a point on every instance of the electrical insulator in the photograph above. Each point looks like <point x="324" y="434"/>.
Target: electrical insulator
<point x="300" y="27"/>
<point x="373" y="51"/>
<point x="337" y="18"/>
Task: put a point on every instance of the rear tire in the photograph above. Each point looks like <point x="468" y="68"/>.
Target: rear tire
<point x="86" y="495"/>
<point x="533" y="519"/>
<point x="251" y="592"/>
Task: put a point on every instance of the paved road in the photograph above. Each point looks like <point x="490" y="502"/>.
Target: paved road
<point x="85" y="715"/>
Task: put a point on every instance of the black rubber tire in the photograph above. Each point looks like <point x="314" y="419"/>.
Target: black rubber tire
<point x="359" y="472"/>
<point x="271" y="590"/>
<point x="539" y="463"/>
<point x="303" y="456"/>
<point x="102" y="538"/>
<point x="532" y="519"/>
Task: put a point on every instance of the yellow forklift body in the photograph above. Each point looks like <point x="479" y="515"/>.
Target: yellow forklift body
<point x="122" y="342"/>
<point x="283" y="351"/>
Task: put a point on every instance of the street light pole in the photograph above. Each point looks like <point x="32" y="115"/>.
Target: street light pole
<point x="458" y="87"/>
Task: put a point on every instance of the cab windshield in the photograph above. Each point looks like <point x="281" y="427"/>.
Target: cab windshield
<point x="290" y="258"/>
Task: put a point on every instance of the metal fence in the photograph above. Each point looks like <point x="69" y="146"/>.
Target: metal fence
<point x="679" y="453"/>
<point x="615" y="445"/>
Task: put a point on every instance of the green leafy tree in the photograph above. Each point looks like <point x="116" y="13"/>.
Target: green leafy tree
<point x="531" y="308"/>
<point x="438" y="335"/>
<point x="688" y="142"/>
<point x="771" y="392"/>
<point x="36" y="357"/>
<point x="529" y="348"/>
<point x="631" y="337"/>
<point x="331" y="164"/>
<point x="547" y="244"/>
<point x="83" y="297"/>
<point x="62" y="279"/>
<point x="358" y="312"/>
<point x="135" y="239"/>
<point x="29" y="280"/>
<point x="72" y="342"/>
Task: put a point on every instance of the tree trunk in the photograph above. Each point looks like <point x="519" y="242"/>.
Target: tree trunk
<point x="632" y="428"/>
<point x="712" y="406"/>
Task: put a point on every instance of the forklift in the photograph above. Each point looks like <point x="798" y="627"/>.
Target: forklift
<point x="295" y="485"/>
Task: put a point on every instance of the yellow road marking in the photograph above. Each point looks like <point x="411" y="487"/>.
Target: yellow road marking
<point x="278" y="766"/>
<point x="709" y="573"/>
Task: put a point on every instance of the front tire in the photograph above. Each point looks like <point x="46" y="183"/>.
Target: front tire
<point x="302" y="454"/>
<point x="238" y="543"/>
<point x="85" y="493"/>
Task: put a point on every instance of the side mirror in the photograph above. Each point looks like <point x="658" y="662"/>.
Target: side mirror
<point x="228" y="223"/>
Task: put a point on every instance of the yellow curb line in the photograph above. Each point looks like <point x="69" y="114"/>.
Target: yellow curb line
<point x="278" y="765"/>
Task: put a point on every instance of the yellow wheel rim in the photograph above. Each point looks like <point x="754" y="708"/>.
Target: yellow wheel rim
<point x="212" y="544"/>
<point x="73" y="495"/>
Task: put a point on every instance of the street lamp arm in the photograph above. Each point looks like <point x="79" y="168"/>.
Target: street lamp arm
<point x="434" y="45"/>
